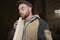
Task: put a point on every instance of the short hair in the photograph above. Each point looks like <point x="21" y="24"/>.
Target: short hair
<point x="23" y="2"/>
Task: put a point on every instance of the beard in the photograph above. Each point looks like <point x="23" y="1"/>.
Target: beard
<point x="24" y="16"/>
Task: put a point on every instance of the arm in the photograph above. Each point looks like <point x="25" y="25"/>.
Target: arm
<point x="43" y="31"/>
<point x="48" y="34"/>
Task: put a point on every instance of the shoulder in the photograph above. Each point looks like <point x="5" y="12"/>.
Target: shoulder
<point x="43" y="24"/>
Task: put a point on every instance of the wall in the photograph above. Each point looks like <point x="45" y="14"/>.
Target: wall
<point x="8" y="15"/>
<point x="54" y="23"/>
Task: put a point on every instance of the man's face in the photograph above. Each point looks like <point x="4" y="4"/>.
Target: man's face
<point x="24" y="10"/>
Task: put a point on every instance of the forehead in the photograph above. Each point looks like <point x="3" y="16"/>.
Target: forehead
<point x="23" y="5"/>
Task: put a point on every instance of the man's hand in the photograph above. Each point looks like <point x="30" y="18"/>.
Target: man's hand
<point x="15" y="24"/>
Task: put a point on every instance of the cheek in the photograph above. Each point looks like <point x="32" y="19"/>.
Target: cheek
<point x="22" y="11"/>
<point x="25" y="11"/>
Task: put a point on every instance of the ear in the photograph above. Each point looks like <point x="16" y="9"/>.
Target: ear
<point x="30" y="9"/>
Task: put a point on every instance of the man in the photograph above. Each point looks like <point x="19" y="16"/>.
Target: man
<point x="34" y="27"/>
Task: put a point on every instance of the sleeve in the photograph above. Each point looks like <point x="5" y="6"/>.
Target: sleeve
<point x="42" y="27"/>
<point x="11" y="34"/>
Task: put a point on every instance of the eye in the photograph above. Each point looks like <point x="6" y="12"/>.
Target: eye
<point x="22" y="8"/>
